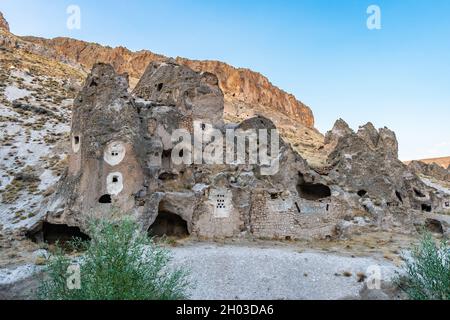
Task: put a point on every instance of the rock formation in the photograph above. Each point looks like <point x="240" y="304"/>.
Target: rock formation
<point x="198" y="94"/>
<point x="121" y="164"/>
<point x="431" y="170"/>
<point x="366" y="164"/>
<point x="124" y="161"/>
<point x="3" y="23"/>
<point x="245" y="87"/>
<point x="247" y="93"/>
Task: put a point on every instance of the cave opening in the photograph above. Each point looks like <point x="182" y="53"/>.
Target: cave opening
<point x="106" y="198"/>
<point x="362" y="193"/>
<point x="170" y="225"/>
<point x="166" y="176"/>
<point x="312" y="191"/>
<point x="426" y="207"/>
<point x="434" y="226"/>
<point x="53" y="233"/>
<point x="159" y="86"/>
<point x="77" y="140"/>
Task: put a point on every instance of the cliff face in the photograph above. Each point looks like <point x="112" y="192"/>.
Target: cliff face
<point x="244" y="86"/>
<point x="3" y="23"/>
<point x="240" y="86"/>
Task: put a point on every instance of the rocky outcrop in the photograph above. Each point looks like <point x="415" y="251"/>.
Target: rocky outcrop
<point x="196" y="94"/>
<point x="431" y="170"/>
<point x="366" y="163"/>
<point x="243" y="86"/>
<point x="125" y="162"/>
<point x="3" y="23"/>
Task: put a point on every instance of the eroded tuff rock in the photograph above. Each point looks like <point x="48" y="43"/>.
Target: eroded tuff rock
<point x="194" y="93"/>
<point x="247" y="93"/>
<point x="122" y="164"/>
<point x="431" y="170"/>
<point x="366" y="164"/>
<point x="243" y="86"/>
<point x="3" y="23"/>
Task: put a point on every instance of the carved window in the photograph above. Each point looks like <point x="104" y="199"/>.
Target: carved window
<point x="220" y="201"/>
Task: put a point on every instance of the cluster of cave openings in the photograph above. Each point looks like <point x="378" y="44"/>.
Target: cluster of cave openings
<point x="61" y="233"/>
<point x="312" y="191"/>
<point x="220" y="201"/>
<point x="170" y="225"/>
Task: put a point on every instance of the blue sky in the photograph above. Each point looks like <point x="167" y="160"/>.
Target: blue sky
<point x="319" y="50"/>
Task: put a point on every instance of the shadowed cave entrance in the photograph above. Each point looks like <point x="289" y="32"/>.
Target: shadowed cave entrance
<point x="312" y="191"/>
<point x="52" y="233"/>
<point x="170" y="225"/>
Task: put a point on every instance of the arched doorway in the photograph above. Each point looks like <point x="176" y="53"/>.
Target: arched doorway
<point x="170" y="225"/>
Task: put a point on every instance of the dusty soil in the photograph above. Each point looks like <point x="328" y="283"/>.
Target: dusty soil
<point x="246" y="269"/>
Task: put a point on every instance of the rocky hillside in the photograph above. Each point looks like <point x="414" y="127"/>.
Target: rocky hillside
<point x="240" y="86"/>
<point x="443" y="162"/>
<point x="38" y="81"/>
<point x="35" y="110"/>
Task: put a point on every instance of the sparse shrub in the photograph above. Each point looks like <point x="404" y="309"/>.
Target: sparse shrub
<point x="120" y="263"/>
<point x="427" y="271"/>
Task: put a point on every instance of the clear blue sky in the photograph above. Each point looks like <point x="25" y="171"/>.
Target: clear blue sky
<point x="319" y="50"/>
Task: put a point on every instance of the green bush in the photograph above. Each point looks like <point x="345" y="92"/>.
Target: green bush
<point x="120" y="263"/>
<point x="427" y="271"/>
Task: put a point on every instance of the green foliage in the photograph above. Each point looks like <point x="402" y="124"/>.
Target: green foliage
<point x="120" y="263"/>
<point x="427" y="271"/>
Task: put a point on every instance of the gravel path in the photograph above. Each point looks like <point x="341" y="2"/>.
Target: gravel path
<point x="235" y="272"/>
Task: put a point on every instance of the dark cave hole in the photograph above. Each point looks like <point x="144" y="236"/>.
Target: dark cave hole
<point x="106" y="198"/>
<point x="167" y="154"/>
<point x="362" y="193"/>
<point x="168" y="224"/>
<point x="426" y="207"/>
<point x="61" y="233"/>
<point x="274" y="196"/>
<point x="399" y="196"/>
<point x="418" y="193"/>
<point x="311" y="191"/>
<point x="166" y="176"/>
<point x="434" y="226"/>
<point x="77" y="139"/>
<point x="93" y="83"/>
<point x="115" y="179"/>
<point x="159" y="86"/>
